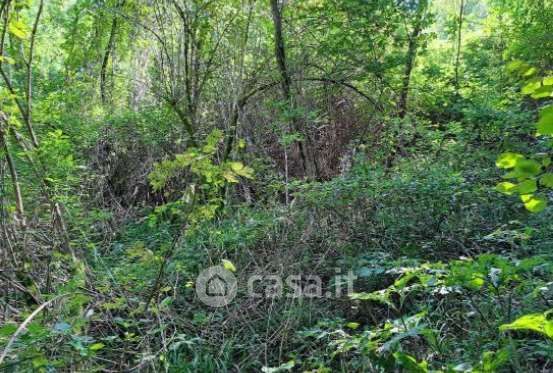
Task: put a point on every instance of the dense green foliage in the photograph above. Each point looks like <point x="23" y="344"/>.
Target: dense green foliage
<point x="405" y="143"/>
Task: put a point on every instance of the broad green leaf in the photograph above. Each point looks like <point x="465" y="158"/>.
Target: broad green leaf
<point x="545" y="124"/>
<point x="542" y="92"/>
<point x="527" y="168"/>
<point x="506" y="188"/>
<point x="533" y="203"/>
<point x="547" y="180"/>
<point x="536" y="322"/>
<point x="508" y="160"/>
<point x="548" y="80"/>
<point x="527" y="187"/>
<point x="228" y="265"/>
<point x="512" y="175"/>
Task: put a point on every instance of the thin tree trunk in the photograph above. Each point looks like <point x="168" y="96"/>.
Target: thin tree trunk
<point x="185" y="120"/>
<point x="459" y="40"/>
<point x="30" y="74"/>
<point x="5" y="235"/>
<point x="280" y="54"/>
<point x="239" y="104"/>
<point x="411" y="56"/>
<point x="13" y="172"/>
<point x="107" y="53"/>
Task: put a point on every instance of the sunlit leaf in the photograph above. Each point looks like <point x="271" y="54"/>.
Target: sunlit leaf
<point x="230" y="176"/>
<point x="96" y="346"/>
<point x="236" y="166"/>
<point x="352" y="325"/>
<point x="531" y="71"/>
<point x="381" y="296"/>
<point x="241" y="170"/>
<point x="508" y="160"/>
<point x="228" y="265"/>
<point x="533" y="203"/>
<point x="18" y="29"/>
<point x="532" y="86"/>
<point x="536" y="322"/>
<point x="542" y="92"/>
<point x="506" y="188"/>
<point x="476" y="283"/>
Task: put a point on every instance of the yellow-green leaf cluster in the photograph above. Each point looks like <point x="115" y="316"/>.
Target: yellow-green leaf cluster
<point x="209" y="175"/>
<point x="18" y="29"/>
<point x="537" y="322"/>
<point x="529" y="173"/>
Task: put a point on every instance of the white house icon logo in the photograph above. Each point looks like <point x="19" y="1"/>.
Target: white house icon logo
<point x="216" y="286"/>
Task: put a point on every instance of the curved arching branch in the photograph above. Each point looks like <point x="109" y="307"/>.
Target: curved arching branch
<point x="347" y="85"/>
<point x="243" y="100"/>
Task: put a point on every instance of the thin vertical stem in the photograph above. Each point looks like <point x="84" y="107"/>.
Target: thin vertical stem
<point x="13" y="173"/>
<point x="29" y="118"/>
<point x="459" y="41"/>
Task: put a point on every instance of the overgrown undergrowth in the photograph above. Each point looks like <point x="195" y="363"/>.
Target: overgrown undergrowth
<point x="442" y="262"/>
